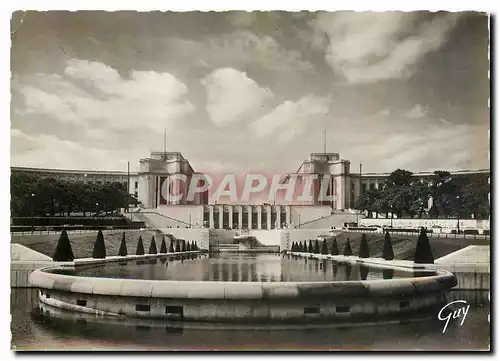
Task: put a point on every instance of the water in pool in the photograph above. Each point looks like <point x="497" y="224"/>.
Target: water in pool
<point x="242" y="268"/>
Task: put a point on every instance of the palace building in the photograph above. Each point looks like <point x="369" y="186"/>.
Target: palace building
<point x="333" y="188"/>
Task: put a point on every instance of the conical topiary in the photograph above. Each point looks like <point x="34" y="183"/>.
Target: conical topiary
<point x="364" y="251"/>
<point x="63" y="251"/>
<point x="316" y="247"/>
<point x="188" y="246"/>
<point x="310" y="247"/>
<point x="152" y="246"/>
<point x="423" y="252"/>
<point x="347" y="248"/>
<point x="163" y="247"/>
<point x="335" y="248"/>
<point x="304" y="247"/>
<point x="140" y="247"/>
<point x="196" y="246"/>
<point x="177" y="246"/>
<point x="324" y="247"/>
<point x="99" y="246"/>
<point x="123" y="246"/>
<point x="183" y="245"/>
<point x="388" y="252"/>
<point x="171" y="247"/>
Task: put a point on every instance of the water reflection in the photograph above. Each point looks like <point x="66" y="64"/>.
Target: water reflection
<point x="242" y="268"/>
<point x="48" y="328"/>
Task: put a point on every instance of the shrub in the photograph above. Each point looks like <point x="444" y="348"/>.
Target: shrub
<point x="196" y="246"/>
<point x="123" y="246"/>
<point x="163" y="246"/>
<point x="183" y="245"/>
<point x="423" y="251"/>
<point x="347" y="248"/>
<point x="388" y="252"/>
<point x="364" y="251"/>
<point x="140" y="247"/>
<point x="171" y="247"/>
<point x="316" y="247"/>
<point x="310" y="248"/>
<point x="99" y="246"/>
<point x="304" y="247"/>
<point x="63" y="251"/>
<point x="177" y="246"/>
<point x="188" y="246"/>
<point x="324" y="247"/>
<point x="152" y="246"/>
<point x="335" y="248"/>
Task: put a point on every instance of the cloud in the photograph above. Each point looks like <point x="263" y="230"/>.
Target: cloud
<point x="239" y="50"/>
<point x="49" y="151"/>
<point x="231" y="94"/>
<point x="368" y="47"/>
<point x="290" y="118"/>
<point x="94" y="92"/>
<point x="416" y="112"/>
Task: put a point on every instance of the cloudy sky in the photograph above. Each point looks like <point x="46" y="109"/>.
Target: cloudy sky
<point x="250" y="91"/>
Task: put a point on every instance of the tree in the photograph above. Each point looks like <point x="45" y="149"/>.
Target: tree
<point x="400" y="177"/>
<point x="171" y="247"/>
<point x="183" y="245"/>
<point x="388" y="252"/>
<point x="335" y="248"/>
<point x="423" y="251"/>
<point x="140" y="247"/>
<point x="305" y="249"/>
<point x="324" y="247"/>
<point x="152" y="246"/>
<point x="196" y="246"/>
<point x="316" y="247"/>
<point x="177" y="246"/>
<point x="188" y="246"/>
<point x="310" y="247"/>
<point x="163" y="247"/>
<point x="99" y="246"/>
<point x="63" y="251"/>
<point x="364" y="251"/>
<point x="123" y="246"/>
<point x="347" y="248"/>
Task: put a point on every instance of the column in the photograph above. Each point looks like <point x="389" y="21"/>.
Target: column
<point x="211" y="216"/>
<point x="376" y="183"/>
<point x="240" y="217"/>
<point x="259" y="217"/>
<point x="278" y="215"/>
<point x="249" y="208"/>
<point x="268" y="215"/>
<point x="221" y="215"/>
<point x="230" y="218"/>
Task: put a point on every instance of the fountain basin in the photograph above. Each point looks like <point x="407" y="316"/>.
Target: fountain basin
<point x="220" y="301"/>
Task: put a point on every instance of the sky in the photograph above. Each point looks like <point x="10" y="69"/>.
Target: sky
<point x="240" y="92"/>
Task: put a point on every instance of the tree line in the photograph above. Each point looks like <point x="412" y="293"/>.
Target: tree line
<point x="404" y="195"/>
<point x="35" y="196"/>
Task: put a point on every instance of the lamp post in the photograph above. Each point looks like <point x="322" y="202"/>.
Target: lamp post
<point x="392" y="213"/>
<point x="32" y="213"/>
<point x="458" y="213"/>
<point x="96" y="209"/>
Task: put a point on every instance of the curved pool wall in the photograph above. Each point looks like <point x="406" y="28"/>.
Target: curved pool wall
<point x="243" y="301"/>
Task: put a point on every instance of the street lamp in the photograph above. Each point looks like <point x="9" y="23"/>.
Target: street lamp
<point x="392" y="213"/>
<point x="32" y="212"/>
<point x="458" y="213"/>
<point x="96" y="209"/>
